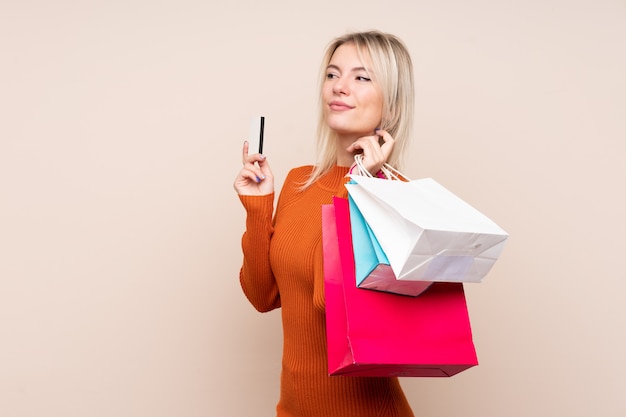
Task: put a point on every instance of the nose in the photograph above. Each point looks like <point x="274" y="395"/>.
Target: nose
<point x="340" y="86"/>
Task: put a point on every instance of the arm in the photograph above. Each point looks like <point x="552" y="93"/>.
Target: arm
<point x="256" y="277"/>
<point x="255" y="186"/>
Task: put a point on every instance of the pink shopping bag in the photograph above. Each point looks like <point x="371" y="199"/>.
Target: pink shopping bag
<point x="372" y="333"/>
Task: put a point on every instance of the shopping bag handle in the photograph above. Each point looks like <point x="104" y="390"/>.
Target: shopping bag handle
<point x="387" y="170"/>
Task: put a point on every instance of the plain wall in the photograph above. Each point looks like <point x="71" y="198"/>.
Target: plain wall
<point x="121" y="124"/>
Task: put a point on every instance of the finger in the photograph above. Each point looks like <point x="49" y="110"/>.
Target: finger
<point x="385" y="136"/>
<point x="371" y="148"/>
<point x="251" y="175"/>
<point x="258" y="162"/>
<point x="264" y="166"/>
<point x="361" y="143"/>
<point x="388" y="144"/>
<point x="372" y="155"/>
<point x="244" y="156"/>
<point x="254" y="160"/>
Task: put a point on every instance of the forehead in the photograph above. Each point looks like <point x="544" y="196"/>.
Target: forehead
<point x="347" y="54"/>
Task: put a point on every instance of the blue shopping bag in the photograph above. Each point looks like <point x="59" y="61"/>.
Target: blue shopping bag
<point x="372" y="267"/>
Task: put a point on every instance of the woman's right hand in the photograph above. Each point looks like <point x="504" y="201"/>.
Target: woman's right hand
<point x="255" y="178"/>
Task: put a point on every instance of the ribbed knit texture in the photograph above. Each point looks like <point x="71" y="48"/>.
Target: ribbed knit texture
<point x="283" y="267"/>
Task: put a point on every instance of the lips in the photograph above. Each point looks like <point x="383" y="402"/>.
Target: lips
<point x="339" y="106"/>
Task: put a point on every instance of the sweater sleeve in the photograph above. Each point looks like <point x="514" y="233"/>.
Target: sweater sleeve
<point x="256" y="277"/>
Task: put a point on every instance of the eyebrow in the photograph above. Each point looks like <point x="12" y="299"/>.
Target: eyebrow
<point x="355" y="69"/>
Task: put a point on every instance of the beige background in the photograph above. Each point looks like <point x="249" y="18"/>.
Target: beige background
<point x="121" y="124"/>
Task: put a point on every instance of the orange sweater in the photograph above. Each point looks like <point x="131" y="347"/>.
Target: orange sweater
<point x="283" y="267"/>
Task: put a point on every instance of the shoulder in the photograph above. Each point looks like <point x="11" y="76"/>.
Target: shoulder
<point x="292" y="187"/>
<point x="300" y="174"/>
<point x="296" y="177"/>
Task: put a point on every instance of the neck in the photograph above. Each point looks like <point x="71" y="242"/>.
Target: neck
<point x="344" y="157"/>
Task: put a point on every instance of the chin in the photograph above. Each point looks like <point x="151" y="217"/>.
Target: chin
<point x="350" y="131"/>
<point x="341" y="128"/>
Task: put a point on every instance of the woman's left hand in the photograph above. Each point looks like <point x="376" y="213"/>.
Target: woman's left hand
<point x="374" y="154"/>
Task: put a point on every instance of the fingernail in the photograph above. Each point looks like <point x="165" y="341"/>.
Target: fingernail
<point x="377" y="129"/>
<point x="258" y="179"/>
<point x="262" y="176"/>
<point x="262" y="156"/>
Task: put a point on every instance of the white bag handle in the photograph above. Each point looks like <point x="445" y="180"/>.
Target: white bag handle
<point x="388" y="171"/>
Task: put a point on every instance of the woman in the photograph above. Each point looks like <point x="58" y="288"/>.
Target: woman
<point x="366" y="105"/>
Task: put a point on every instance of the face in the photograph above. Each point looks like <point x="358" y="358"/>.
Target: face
<point x="353" y="102"/>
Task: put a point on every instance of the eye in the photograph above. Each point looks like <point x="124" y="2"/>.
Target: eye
<point x="331" y="75"/>
<point x="363" y="78"/>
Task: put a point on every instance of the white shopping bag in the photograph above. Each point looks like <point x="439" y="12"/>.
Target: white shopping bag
<point x="426" y="231"/>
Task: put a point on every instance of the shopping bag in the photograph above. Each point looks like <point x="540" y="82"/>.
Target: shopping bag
<point x="426" y="231"/>
<point x="372" y="333"/>
<point x="372" y="267"/>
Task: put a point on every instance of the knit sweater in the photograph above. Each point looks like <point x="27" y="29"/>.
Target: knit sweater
<point x="283" y="267"/>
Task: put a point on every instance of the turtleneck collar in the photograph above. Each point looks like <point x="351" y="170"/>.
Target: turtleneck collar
<point x="334" y="178"/>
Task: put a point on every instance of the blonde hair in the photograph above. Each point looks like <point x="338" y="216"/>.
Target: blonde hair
<point x="393" y="71"/>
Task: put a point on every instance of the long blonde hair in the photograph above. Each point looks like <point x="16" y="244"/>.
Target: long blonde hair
<point x="393" y="70"/>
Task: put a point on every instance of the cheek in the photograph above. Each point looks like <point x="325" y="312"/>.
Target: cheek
<point x="327" y="91"/>
<point x="376" y="102"/>
<point x="376" y="109"/>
